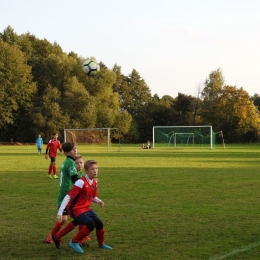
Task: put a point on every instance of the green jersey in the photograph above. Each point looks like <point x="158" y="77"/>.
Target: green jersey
<point x="68" y="169"/>
<point x="81" y="174"/>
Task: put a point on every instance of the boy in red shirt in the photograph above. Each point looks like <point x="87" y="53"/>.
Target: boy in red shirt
<point x="78" y="202"/>
<point x="52" y="147"/>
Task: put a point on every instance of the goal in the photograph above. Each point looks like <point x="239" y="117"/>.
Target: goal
<point x="94" y="138"/>
<point x="183" y="136"/>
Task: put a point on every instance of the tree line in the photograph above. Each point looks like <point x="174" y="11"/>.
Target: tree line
<point x="44" y="90"/>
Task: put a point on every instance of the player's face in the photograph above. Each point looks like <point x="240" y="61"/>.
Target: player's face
<point x="92" y="171"/>
<point x="79" y="164"/>
<point x="55" y="137"/>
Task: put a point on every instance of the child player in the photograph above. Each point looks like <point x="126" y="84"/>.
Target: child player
<point x="39" y="144"/>
<point x="52" y="147"/>
<point x="78" y="202"/>
<point x="68" y="176"/>
<point x="80" y="169"/>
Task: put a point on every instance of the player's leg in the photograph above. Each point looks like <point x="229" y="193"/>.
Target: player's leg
<point x="87" y="226"/>
<point x="50" y="168"/>
<point x="57" y="227"/>
<point x="85" y="238"/>
<point x="100" y="231"/>
<point x="54" y="168"/>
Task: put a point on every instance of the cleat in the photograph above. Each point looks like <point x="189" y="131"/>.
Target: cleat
<point x="87" y="238"/>
<point x="76" y="247"/>
<point x="48" y="239"/>
<point x="104" y="246"/>
<point x="49" y="176"/>
<point x="83" y="244"/>
<point x="56" y="241"/>
<point x="55" y="176"/>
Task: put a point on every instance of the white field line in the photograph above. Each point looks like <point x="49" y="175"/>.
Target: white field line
<point x="236" y="251"/>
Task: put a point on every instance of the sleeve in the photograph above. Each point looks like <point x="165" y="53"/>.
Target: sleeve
<point x="96" y="200"/>
<point x="63" y="204"/>
<point x="74" y="178"/>
<point x="71" y="195"/>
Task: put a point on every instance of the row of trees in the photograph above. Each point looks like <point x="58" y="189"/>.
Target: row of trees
<point x="44" y="90"/>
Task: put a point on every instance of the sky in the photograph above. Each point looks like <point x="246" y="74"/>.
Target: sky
<point x="173" y="44"/>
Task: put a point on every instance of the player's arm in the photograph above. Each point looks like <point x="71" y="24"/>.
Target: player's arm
<point x="60" y="148"/>
<point x="46" y="153"/>
<point x="63" y="205"/>
<point x="99" y="202"/>
<point x="74" y="178"/>
<point x="76" y="189"/>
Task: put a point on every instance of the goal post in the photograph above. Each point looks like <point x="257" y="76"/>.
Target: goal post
<point x="94" y="137"/>
<point x="196" y="136"/>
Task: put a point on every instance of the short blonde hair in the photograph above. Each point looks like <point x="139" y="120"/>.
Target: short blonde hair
<point x="88" y="163"/>
<point x="78" y="157"/>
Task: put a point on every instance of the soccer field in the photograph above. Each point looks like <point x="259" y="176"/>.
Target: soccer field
<point x="159" y="203"/>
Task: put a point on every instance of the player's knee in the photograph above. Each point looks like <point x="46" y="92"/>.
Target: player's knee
<point x="91" y="225"/>
<point x="99" y="224"/>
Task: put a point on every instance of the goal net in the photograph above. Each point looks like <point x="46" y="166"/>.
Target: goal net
<point x="183" y="136"/>
<point x="94" y="138"/>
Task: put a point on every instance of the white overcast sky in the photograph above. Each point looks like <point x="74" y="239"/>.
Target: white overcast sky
<point x="173" y="44"/>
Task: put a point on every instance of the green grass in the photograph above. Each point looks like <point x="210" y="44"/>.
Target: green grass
<point x="159" y="203"/>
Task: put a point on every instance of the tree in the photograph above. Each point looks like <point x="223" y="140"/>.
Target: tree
<point x="16" y="86"/>
<point x="184" y="108"/>
<point x="211" y="107"/>
<point x="240" y="118"/>
<point x="133" y="92"/>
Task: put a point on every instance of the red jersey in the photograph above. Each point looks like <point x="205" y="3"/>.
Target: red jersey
<point x="53" y="146"/>
<point x="81" y="196"/>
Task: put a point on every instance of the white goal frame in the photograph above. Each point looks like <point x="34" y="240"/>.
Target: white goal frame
<point x="197" y="126"/>
<point x="83" y="129"/>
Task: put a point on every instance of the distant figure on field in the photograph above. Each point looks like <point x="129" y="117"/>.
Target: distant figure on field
<point x="39" y="144"/>
<point x="147" y="146"/>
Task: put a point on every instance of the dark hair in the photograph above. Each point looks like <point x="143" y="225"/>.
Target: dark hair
<point x="67" y="147"/>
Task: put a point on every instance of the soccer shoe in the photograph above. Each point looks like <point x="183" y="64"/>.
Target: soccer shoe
<point x="76" y="247"/>
<point x="87" y="238"/>
<point x="49" y="176"/>
<point x="55" y="177"/>
<point x="56" y="241"/>
<point x="104" y="246"/>
<point x="83" y="244"/>
<point x="48" y="239"/>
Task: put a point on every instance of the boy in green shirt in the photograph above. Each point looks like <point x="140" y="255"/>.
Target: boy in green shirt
<point x="68" y="176"/>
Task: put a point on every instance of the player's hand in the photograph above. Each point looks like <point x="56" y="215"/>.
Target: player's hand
<point x="101" y="204"/>
<point x="46" y="156"/>
<point x="59" y="218"/>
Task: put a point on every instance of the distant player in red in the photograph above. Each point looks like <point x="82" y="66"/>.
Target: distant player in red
<point x="52" y="147"/>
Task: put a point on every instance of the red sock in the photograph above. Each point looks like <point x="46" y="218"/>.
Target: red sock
<point x="54" y="170"/>
<point x="50" y="169"/>
<point x="100" y="236"/>
<point x="84" y="231"/>
<point x="81" y="226"/>
<point x="57" y="227"/>
<point x="65" y="230"/>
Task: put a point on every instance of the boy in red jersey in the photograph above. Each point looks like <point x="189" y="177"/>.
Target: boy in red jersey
<point x="52" y="147"/>
<point x="78" y="202"/>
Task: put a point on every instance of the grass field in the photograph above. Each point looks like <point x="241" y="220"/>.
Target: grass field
<point x="159" y="204"/>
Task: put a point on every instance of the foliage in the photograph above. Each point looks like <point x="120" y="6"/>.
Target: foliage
<point x="44" y="90"/>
